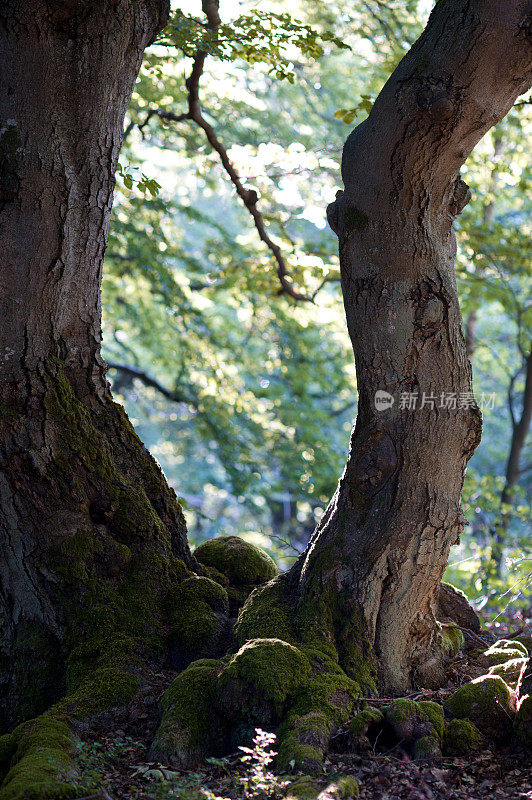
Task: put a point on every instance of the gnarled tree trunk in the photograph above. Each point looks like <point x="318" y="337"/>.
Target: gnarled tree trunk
<point x="397" y="509"/>
<point x="88" y="526"/>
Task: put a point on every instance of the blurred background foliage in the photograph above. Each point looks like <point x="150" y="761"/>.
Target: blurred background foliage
<point x="245" y="395"/>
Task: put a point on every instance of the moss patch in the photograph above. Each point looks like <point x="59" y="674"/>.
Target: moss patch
<point x="510" y="671"/>
<point x="488" y="702"/>
<point x="462" y="737"/>
<point x="199" y="623"/>
<point x="505" y="650"/>
<point x="242" y="563"/>
<point x="451" y="640"/>
<point x="523" y="723"/>
<point x="266" y="614"/>
<point x="190" y="728"/>
<point x="410" y="721"/>
<point x="42" y="766"/>
<point x="270" y="668"/>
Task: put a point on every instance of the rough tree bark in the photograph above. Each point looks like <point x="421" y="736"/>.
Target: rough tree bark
<point x="85" y="512"/>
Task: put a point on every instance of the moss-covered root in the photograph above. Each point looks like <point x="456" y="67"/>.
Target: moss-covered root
<point x="199" y="609"/>
<point x="38" y="762"/>
<point x="306" y="788"/>
<point x="325" y="703"/>
<point x="216" y="705"/>
<point x="462" y="738"/>
<point x="190" y="727"/>
<point x="488" y="702"/>
<point x="417" y="724"/>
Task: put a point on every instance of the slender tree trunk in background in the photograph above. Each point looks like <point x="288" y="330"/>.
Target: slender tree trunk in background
<point x="520" y="430"/>
<point x="386" y="535"/>
<point x="488" y="217"/>
<point x="85" y="513"/>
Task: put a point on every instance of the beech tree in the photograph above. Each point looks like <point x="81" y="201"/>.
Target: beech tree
<point x="97" y="580"/>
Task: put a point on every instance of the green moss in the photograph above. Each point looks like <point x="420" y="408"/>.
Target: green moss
<point x="199" y="620"/>
<point x="190" y="728"/>
<point x="526" y="641"/>
<point x="37" y="679"/>
<point x="364" y="720"/>
<point x="451" y="640"/>
<point x="505" y="650"/>
<point x="523" y="723"/>
<point x="293" y="755"/>
<point x="43" y="767"/>
<point x="462" y="738"/>
<point x="304" y="788"/>
<point x="409" y="720"/>
<point x="427" y="748"/>
<point x="242" y="563"/>
<point x="323" y="704"/>
<point x="342" y="788"/>
<point x="267" y="613"/>
<point x="104" y="688"/>
<point x="330" y="621"/>
<point x="354" y="218"/>
<point x="237" y="598"/>
<point x="510" y="671"/>
<point x="8" y="745"/>
<point x="487" y="702"/>
<point x="270" y="668"/>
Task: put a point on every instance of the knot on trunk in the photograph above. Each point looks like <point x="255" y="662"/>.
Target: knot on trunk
<point x="460" y="197"/>
<point x="344" y="217"/>
<point x="436" y="103"/>
<point x="374" y="463"/>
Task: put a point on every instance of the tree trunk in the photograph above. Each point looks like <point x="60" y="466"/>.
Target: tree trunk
<point x="85" y="511"/>
<point x="386" y="535"/>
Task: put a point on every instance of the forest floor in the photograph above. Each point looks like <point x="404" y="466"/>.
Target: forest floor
<point x="114" y="754"/>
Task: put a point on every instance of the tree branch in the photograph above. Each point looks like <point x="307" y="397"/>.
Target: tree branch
<point x="248" y="196"/>
<point x="147" y="380"/>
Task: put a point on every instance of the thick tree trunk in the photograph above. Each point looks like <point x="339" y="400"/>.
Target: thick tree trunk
<point x="386" y="535"/>
<point x="88" y="526"/>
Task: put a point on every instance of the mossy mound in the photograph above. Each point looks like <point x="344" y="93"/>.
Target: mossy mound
<point x="42" y="766"/>
<point x="510" y="671"/>
<point x="417" y="723"/>
<point x="190" y="727"/>
<point x="258" y="683"/>
<point x="242" y="563"/>
<point x="526" y="641"/>
<point x="199" y="622"/>
<point x="341" y="789"/>
<point x="462" y="737"/>
<point x="451" y="640"/>
<point x="324" y="704"/>
<point x="304" y="788"/>
<point x="267" y="613"/>
<point x="505" y="650"/>
<point x="488" y="702"/>
<point x="523" y="723"/>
